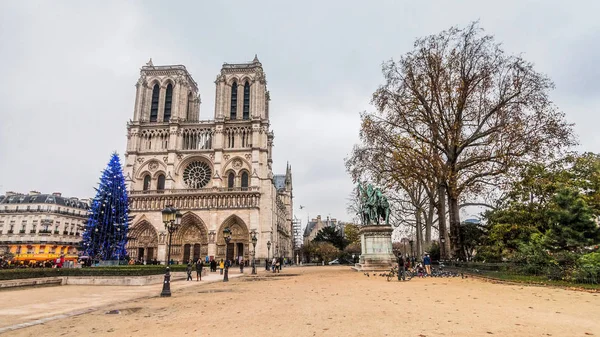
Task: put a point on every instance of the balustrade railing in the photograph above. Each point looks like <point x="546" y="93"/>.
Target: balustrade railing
<point x="197" y="190"/>
<point x="195" y="199"/>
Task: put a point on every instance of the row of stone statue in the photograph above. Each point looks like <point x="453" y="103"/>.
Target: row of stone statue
<point x="374" y="206"/>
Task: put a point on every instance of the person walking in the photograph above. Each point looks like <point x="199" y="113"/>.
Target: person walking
<point x="427" y="264"/>
<point x="199" y="267"/>
<point x="401" y="268"/>
<point x="221" y="266"/>
<point x="242" y="266"/>
<point x="189" y="271"/>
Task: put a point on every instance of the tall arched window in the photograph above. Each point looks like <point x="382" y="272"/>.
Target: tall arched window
<point x="247" y="100"/>
<point x="230" y="180"/>
<point x="147" y="182"/>
<point x="234" y="89"/>
<point x="154" y="107"/>
<point x="160" y="184"/>
<point x="188" y="107"/>
<point x="244" y="181"/>
<point x="168" y="101"/>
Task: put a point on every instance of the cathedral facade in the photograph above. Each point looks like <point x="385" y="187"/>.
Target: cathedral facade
<point x="217" y="173"/>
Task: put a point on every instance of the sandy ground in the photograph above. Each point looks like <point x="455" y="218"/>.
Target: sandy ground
<point x="334" y="301"/>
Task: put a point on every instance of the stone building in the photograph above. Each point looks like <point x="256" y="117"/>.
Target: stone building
<point x="315" y="225"/>
<point x="217" y="172"/>
<point x="39" y="227"/>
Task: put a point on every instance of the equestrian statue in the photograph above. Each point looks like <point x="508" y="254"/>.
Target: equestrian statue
<point x="374" y="206"/>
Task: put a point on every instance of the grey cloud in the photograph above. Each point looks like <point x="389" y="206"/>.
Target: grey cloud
<point x="68" y="72"/>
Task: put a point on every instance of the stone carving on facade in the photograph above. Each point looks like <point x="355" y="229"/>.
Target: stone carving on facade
<point x="161" y="238"/>
<point x="237" y="164"/>
<point x="226" y="157"/>
<point x="166" y="159"/>
<point x="140" y="160"/>
<point x="212" y="157"/>
<point x="179" y="155"/>
<point x="153" y="166"/>
<point x="211" y="236"/>
<point x="248" y="156"/>
<point x="260" y="77"/>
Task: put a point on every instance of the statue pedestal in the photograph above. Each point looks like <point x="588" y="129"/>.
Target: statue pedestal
<point x="376" y="249"/>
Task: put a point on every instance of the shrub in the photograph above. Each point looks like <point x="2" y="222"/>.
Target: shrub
<point x="23" y="273"/>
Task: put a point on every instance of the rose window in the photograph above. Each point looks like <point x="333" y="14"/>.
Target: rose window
<point x="197" y="174"/>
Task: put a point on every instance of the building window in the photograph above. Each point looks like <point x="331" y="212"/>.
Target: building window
<point x="168" y="101"/>
<point x="154" y="107"/>
<point x="234" y="89"/>
<point x="147" y="182"/>
<point x="244" y="180"/>
<point x="230" y="180"/>
<point x="188" y="107"/>
<point x="160" y="185"/>
<point x="23" y="224"/>
<point x="247" y="100"/>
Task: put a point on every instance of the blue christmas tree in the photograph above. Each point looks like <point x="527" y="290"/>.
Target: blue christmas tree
<point x="105" y="235"/>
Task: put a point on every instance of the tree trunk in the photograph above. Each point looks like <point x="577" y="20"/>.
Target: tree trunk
<point x="419" y="230"/>
<point x="454" y="213"/>
<point x="445" y="246"/>
<point x="429" y="221"/>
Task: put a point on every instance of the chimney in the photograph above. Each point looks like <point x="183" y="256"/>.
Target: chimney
<point x="57" y="194"/>
<point x="34" y="193"/>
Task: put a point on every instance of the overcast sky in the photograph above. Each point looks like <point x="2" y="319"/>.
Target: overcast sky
<point x="68" y="70"/>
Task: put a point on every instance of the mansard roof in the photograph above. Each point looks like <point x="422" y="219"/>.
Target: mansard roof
<point x="44" y="199"/>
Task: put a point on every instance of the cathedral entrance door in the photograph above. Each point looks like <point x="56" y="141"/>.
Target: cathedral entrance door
<point x="150" y="255"/>
<point x="229" y="254"/>
<point x="141" y="253"/>
<point x="186" y="253"/>
<point x="240" y="251"/>
<point x="196" y="251"/>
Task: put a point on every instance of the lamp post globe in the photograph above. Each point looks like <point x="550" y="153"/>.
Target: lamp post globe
<point x="227" y="237"/>
<point x="254" y="240"/>
<point x="172" y="219"/>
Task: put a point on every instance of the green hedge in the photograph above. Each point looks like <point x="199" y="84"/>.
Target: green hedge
<point x="22" y="273"/>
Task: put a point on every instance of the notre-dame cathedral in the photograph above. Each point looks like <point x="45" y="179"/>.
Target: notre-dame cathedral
<point x="217" y="173"/>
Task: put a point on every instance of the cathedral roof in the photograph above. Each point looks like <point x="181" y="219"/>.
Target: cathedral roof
<point x="44" y="199"/>
<point x="279" y="181"/>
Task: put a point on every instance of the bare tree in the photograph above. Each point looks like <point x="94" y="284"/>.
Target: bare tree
<point x="463" y="114"/>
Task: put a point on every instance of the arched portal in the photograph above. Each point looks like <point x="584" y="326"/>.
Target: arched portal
<point x="239" y="243"/>
<point x="142" y="242"/>
<point x="190" y="242"/>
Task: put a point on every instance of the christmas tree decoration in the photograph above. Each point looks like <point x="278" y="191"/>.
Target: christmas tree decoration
<point x="105" y="235"/>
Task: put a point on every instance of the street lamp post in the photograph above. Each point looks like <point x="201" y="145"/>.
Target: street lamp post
<point x="172" y="220"/>
<point x="268" y="255"/>
<point x="254" y="240"/>
<point x="227" y="237"/>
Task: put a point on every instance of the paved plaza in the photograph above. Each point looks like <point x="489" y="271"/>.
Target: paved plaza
<point x="307" y="301"/>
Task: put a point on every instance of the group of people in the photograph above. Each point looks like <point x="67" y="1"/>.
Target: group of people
<point x="277" y="264"/>
<point x="406" y="263"/>
<point x="213" y="265"/>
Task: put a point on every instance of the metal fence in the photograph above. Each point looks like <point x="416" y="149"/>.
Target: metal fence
<point x="516" y="271"/>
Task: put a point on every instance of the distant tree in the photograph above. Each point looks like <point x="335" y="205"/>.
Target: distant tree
<point x="326" y="251"/>
<point x="353" y="248"/>
<point x="331" y="235"/>
<point x="571" y="224"/>
<point x="351" y="233"/>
